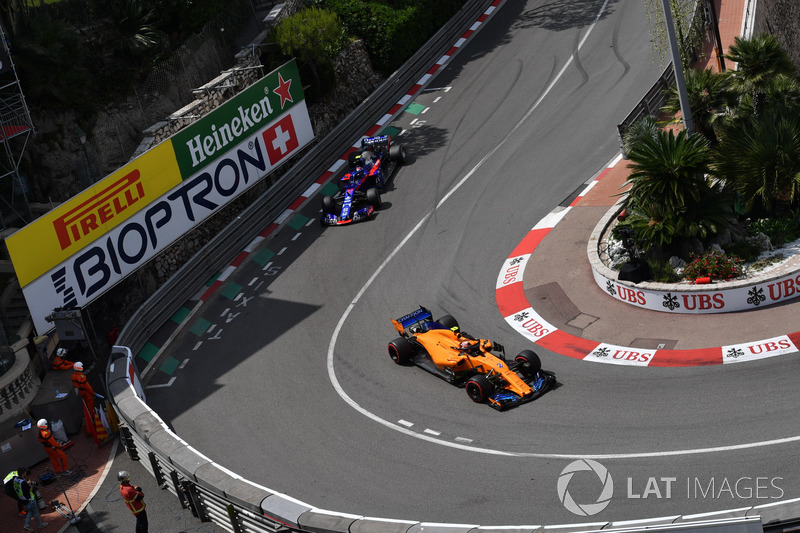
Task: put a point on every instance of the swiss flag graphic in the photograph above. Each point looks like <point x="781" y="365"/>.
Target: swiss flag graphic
<point x="280" y="139"/>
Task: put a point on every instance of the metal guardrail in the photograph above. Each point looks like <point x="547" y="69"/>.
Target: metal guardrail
<point x="215" y="494"/>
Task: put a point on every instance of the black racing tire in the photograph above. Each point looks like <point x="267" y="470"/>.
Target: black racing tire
<point x="449" y="322"/>
<point x="374" y="197"/>
<point x="479" y="388"/>
<point x="397" y="153"/>
<point x="401" y="351"/>
<point x="529" y="363"/>
<point x="328" y="205"/>
<point x="351" y="157"/>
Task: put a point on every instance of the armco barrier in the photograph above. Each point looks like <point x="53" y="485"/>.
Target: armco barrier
<point x="215" y="494"/>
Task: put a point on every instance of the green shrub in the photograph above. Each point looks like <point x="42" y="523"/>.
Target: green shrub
<point x="716" y="265"/>
<point x="392" y="31"/>
<point x="746" y="250"/>
<point x="779" y="230"/>
<point x="662" y="271"/>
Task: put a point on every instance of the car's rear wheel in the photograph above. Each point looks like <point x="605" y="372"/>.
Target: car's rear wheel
<point x="449" y="322"/>
<point x="374" y="197"/>
<point x="529" y="363"/>
<point x="479" y="388"/>
<point x="401" y="351"/>
<point x="328" y="205"/>
<point x="397" y="152"/>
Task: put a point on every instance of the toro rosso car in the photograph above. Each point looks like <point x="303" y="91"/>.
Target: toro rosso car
<point x="360" y="189"/>
<point x="441" y="348"/>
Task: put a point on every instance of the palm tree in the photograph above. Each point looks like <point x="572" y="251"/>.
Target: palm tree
<point x="669" y="169"/>
<point x="759" y="158"/>
<point x="709" y="95"/>
<point x="670" y="196"/>
<point x="759" y="61"/>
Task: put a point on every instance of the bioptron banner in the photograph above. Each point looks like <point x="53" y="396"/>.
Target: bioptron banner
<point x="75" y="253"/>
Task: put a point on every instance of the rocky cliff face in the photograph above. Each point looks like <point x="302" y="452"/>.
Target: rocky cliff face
<point x="781" y="18"/>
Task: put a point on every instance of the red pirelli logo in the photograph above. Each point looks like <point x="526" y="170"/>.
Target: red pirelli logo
<point x="99" y="209"/>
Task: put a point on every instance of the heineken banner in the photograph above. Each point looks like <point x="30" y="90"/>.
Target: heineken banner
<point x="103" y="234"/>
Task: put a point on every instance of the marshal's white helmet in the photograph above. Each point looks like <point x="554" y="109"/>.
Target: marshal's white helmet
<point x="78" y="366"/>
<point x="61" y="352"/>
<point x="42" y="423"/>
<point x="123" y="476"/>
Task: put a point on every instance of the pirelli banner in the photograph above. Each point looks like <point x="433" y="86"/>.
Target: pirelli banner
<point x="73" y="254"/>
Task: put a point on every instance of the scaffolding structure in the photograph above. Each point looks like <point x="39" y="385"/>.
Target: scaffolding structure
<point x="16" y="128"/>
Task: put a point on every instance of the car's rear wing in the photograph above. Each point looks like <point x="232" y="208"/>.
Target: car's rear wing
<point x="420" y="315"/>
<point x="379" y="143"/>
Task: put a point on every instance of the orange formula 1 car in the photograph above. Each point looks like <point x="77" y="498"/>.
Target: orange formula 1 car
<point x="441" y="348"/>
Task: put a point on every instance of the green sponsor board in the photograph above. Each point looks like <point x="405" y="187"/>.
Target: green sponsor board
<point x="212" y="136"/>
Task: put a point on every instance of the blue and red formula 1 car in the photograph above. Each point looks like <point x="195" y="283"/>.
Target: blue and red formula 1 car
<point x="360" y="189"/>
<point x="441" y="348"/>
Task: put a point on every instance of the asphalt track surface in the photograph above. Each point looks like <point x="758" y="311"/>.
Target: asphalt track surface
<point x="293" y="388"/>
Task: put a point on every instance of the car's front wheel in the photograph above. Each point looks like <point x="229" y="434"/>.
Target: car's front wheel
<point x="374" y="197"/>
<point x="479" y="388"/>
<point x="328" y="205"/>
<point x="401" y="351"/>
<point x="529" y="363"/>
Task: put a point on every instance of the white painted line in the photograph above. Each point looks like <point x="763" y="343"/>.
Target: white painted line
<point x="460" y="42"/>
<point x="463" y="439"/>
<point x="489" y="451"/>
<point x="227" y="272"/>
<point x="238" y="296"/>
<point x="437" y="99"/>
<point x="424" y="111"/>
<point x="282" y="250"/>
<point x="267" y="265"/>
<point x="615" y="160"/>
<point x="404" y="99"/>
<point x="405" y="423"/>
<point x="260" y="283"/>
<point x="384" y="119"/>
<point x="414" y="121"/>
<point x="424" y="79"/>
<point x="283" y="216"/>
<point x="432" y="432"/>
<point x="211" y="328"/>
<point x="336" y="166"/>
<point x="447" y="89"/>
<point x="442" y="60"/>
<point x="310" y="221"/>
<point x="475" y="26"/>
<point x="184" y="363"/>
<point x="252" y="281"/>
<point x="311" y="190"/>
<point x="196" y="346"/>
<point x="253" y="244"/>
<point x="225" y="312"/>
<point x="167" y="384"/>
<point x="296" y="236"/>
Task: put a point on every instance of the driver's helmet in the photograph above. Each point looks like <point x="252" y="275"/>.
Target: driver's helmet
<point x="465" y="345"/>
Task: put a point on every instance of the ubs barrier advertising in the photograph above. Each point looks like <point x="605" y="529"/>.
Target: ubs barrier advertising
<point x="721" y="300"/>
<point x="75" y="253"/>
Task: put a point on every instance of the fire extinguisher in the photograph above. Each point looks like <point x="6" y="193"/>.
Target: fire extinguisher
<point x="38" y="495"/>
